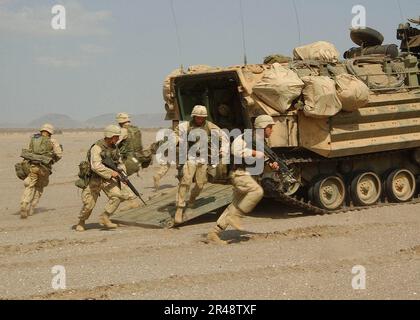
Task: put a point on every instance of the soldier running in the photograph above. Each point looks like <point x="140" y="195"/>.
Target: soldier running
<point x="195" y="166"/>
<point x="43" y="152"/>
<point x="247" y="193"/>
<point x="164" y="163"/>
<point x="103" y="179"/>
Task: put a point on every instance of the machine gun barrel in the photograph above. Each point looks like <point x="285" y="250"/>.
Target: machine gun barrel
<point x="286" y="173"/>
<point x="123" y="177"/>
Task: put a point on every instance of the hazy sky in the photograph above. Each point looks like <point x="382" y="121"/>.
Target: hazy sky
<point x="115" y="54"/>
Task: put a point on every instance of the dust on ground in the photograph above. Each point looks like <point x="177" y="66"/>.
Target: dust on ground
<point x="283" y="255"/>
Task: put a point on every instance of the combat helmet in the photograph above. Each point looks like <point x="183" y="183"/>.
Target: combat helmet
<point x="199" y="111"/>
<point x="48" y="128"/>
<point x="112" y="131"/>
<point x="264" y="121"/>
<point x="122" y="117"/>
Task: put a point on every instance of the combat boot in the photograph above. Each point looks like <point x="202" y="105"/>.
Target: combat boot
<point x="234" y="219"/>
<point x="191" y="203"/>
<point x="24" y="210"/>
<point x="105" y="222"/>
<point x="23" y="213"/>
<point x="179" y="215"/>
<point x="81" y="226"/>
<point x="214" y="236"/>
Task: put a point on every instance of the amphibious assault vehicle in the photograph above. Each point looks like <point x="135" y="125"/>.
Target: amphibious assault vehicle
<point x="348" y="129"/>
<point x="345" y="156"/>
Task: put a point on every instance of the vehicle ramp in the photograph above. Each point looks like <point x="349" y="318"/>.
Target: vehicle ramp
<point x="160" y="210"/>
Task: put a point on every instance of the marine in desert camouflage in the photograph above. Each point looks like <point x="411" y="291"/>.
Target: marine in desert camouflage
<point x="42" y="153"/>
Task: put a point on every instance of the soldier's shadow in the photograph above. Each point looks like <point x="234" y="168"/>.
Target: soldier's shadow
<point x="275" y="210"/>
<point x="207" y="218"/>
<point x="267" y="209"/>
<point x="235" y="237"/>
<point x="94" y="226"/>
<point x="162" y="187"/>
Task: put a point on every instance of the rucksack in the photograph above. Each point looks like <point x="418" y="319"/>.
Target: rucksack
<point x="85" y="172"/>
<point x="40" y="150"/>
<point x="22" y="169"/>
<point x="133" y="143"/>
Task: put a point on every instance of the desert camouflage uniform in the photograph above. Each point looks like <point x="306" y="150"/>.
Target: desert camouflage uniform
<point x="160" y="173"/>
<point x="247" y="193"/>
<point x="195" y="168"/>
<point x="101" y="181"/>
<point x="37" y="180"/>
<point x="125" y="150"/>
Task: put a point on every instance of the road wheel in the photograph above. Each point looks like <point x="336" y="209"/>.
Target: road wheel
<point x="366" y="189"/>
<point x="330" y="193"/>
<point x="400" y="185"/>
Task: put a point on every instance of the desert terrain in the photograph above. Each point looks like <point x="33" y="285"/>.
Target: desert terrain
<point x="284" y="254"/>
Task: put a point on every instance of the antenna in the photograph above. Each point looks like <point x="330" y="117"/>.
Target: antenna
<point x="297" y="21"/>
<point x="178" y="39"/>
<point x="243" y="31"/>
<point x="401" y="11"/>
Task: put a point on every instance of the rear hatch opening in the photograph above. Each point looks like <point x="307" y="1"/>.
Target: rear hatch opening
<point x="212" y="91"/>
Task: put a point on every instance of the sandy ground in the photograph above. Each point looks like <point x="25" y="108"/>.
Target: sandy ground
<point x="285" y="255"/>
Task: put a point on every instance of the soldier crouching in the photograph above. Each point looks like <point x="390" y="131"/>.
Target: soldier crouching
<point x="103" y="179"/>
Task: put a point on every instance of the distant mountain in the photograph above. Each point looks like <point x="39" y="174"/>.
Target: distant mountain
<point x="100" y="121"/>
<point x="155" y="120"/>
<point x="58" y="120"/>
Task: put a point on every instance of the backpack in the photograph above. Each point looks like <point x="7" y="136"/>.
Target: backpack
<point x="22" y="169"/>
<point x="85" y="172"/>
<point x="40" y="151"/>
<point x="133" y="143"/>
<point x="41" y="145"/>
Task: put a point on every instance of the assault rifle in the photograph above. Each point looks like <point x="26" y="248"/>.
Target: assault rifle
<point x="286" y="174"/>
<point x="123" y="176"/>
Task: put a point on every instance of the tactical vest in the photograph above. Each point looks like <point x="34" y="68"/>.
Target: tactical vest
<point x="108" y="152"/>
<point x="133" y="143"/>
<point x="243" y="165"/>
<point x="41" y="145"/>
<point x="191" y="127"/>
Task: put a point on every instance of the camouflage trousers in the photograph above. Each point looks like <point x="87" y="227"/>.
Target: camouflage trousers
<point x="35" y="183"/>
<point x="190" y="171"/>
<point x="162" y="171"/>
<point x="91" y="194"/>
<point x="247" y="193"/>
<point x="126" y="193"/>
